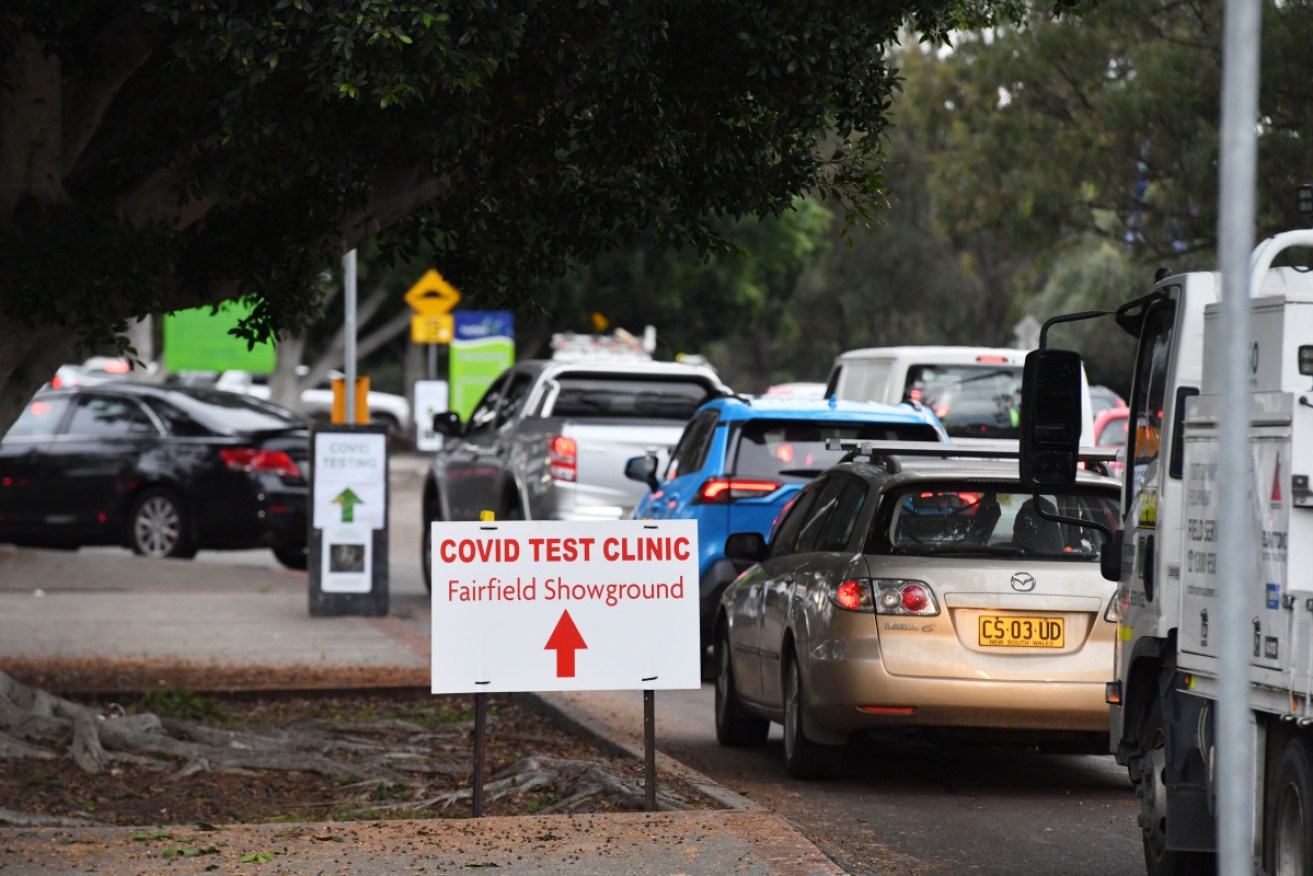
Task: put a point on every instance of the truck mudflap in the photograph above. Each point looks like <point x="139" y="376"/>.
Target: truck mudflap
<point x="1191" y="827"/>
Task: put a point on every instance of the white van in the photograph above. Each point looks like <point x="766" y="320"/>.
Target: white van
<point x="975" y="391"/>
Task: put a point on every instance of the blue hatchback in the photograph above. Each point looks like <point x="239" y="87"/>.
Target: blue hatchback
<point x="740" y="461"/>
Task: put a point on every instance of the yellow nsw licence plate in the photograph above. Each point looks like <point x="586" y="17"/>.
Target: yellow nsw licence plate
<point x="1021" y="632"/>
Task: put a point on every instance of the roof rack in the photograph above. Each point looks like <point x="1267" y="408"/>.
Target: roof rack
<point x="857" y="450"/>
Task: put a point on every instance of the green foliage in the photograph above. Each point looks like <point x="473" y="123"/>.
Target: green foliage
<point x="249" y="144"/>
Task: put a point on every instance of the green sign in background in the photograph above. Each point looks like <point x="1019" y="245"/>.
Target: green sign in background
<point x="197" y="340"/>
<point x="473" y="366"/>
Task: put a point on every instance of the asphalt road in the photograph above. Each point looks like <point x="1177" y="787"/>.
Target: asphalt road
<point x="899" y="807"/>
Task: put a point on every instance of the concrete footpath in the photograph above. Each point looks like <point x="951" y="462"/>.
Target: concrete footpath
<point x="115" y="622"/>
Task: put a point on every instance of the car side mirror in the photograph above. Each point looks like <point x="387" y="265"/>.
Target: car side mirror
<point x="1110" y="558"/>
<point x="1050" y="418"/>
<point x="643" y="469"/>
<point x="447" y="423"/>
<point x="745" y="548"/>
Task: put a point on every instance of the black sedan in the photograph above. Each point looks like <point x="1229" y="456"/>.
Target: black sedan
<point x="163" y="470"/>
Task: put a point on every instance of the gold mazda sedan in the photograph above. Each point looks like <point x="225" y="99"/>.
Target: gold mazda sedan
<point x="920" y="593"/>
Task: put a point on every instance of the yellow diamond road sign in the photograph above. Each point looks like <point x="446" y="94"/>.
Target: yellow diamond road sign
<point x="431" y="295"/>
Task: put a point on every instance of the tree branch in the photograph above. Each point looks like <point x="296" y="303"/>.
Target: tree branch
<point x="395" y="195"/>
<point x="30" y="138"/>
<point x="123" y="46"/>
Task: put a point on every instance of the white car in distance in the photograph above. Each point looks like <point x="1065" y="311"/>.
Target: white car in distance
<point x="385" y="408"/>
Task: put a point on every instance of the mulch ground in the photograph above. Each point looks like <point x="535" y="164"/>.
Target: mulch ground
<point x="131" y="794"/>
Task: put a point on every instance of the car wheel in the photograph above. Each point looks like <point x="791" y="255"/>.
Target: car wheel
<point x="426" y="550"/>
<point x="1290" y="822"/>
<point x="803" y="758"/>
<point x="157" y="527"/>
<point x="1152" y="791"/>
<point x="293" y="557"/>
<point x="735" y="728"/>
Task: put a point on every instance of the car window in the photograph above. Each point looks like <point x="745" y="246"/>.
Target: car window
<point x="485" y="412"/>
<point x="861" y="379"/>
<point x="40" y="418"/>
<point x="984" y="520"/>
<point x="972" y="401"/>
<point x="512" y="401"/>
<point x="585" y="395"/>
<point x="691" y="451"/>
<point x="836" y="531"/>
<point x="103" y="416"/>
<point x="216" y="412"/>
<point x="784" y="539"/>
<point x="827" y="500"/>
<point x="794" y="451"/>
<point x="1113" y="433"/>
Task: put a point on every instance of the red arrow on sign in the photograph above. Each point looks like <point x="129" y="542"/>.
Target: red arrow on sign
<point x="565" y="640"/>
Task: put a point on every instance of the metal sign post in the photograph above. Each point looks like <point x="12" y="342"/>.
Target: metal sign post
<point x="1237" y="170"/>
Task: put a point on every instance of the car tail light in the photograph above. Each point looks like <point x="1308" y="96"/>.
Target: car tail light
<point x="887" y="710"/>
<point x="724" y="491"/>
<point x="563" y="458"/>
<point x="993" y="360"/>
<point x="254" y="459"/>
<point x="853" y="595"/>
<point x="901" y="596"/>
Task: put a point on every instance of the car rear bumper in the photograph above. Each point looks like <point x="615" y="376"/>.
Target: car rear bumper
<point x="839" y="690"/>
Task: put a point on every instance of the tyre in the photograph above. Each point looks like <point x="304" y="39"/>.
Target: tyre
<point x="158" y="527"/>
<point x="735" y="727"/>
<point x="1290" y="814"/>
<point x="426" y="550"/>
<point x="293" y="557"/>
<point x="803" y="758"/>
<point x="1152" y="791"/>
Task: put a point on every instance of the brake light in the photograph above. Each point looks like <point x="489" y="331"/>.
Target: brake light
<point x="117" y="366"/>
<point x="724" y="491"/>
<point x="993" y="360"/>
<point x="853" y="596"/>
<point x="563" y="458"/>
<point x="901" y="596"/>
<point x="254" y="459"/>
<point x="887" y="710"/>
<point x="56" y="382"/>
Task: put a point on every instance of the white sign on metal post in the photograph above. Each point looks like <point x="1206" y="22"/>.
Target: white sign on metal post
<point x="565" y="605"/>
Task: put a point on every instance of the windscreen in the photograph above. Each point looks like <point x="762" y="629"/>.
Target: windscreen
<point x="988" y="520"/>
<point x="613" y="396"/>
<point x="795" y="451"/>
<point x="972" y="401"/>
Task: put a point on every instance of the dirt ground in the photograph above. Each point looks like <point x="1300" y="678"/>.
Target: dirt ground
<point x="129" y="793"/>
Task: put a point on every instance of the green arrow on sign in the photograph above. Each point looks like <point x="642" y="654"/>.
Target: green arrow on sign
<point x="348" y="500"/>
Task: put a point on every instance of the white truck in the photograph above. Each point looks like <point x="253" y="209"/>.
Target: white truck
<point x="1165" y="693"/>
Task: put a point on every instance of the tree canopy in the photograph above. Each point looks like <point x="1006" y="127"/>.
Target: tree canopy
<point x="168" y="153"/>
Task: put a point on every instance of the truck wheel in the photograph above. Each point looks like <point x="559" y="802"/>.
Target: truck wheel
<point x="1152" y="791"/>
<point x="803" y="758"/>
<point x="735" y="728"/>
<point x="1290" y="815"/>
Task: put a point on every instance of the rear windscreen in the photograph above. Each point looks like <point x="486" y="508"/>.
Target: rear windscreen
<point x="624" y="397"/>
<point x="796" y="450"/>
<point x="972" y="401"/>
<point x="990" y="520"/>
